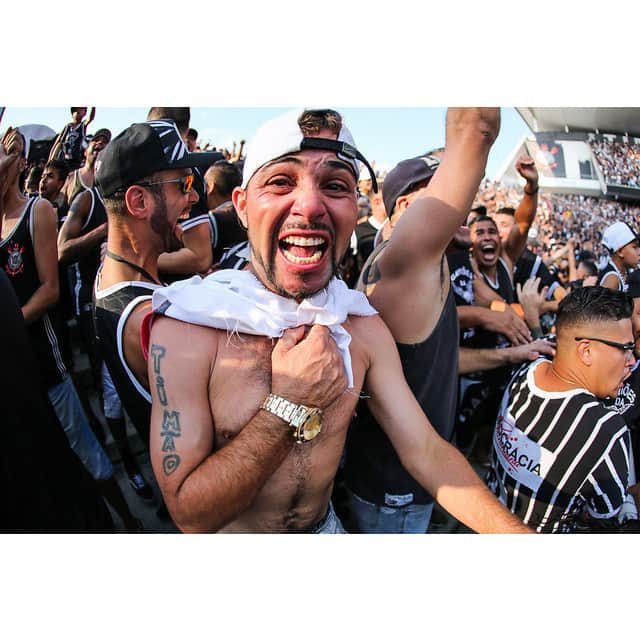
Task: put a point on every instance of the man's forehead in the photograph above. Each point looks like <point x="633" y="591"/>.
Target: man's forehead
<point x="300" y="158"/>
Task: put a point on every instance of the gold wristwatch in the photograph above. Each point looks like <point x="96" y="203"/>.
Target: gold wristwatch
<point x="306" y="421"/>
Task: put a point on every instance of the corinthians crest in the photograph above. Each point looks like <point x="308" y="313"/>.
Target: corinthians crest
<point x="15" y="265"/>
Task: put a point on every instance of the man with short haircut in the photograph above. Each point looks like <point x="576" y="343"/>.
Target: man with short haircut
<point x="192" y="141"/>
<point x="52" y="180"/>
<point x="221" y="179"/>
<point x="558" y="453"/>
<point x="145" y="179"/>
<point x="255" y="374"/>
<point x="621" y="241"/>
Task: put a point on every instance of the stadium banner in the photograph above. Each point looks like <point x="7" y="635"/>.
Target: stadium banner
<point x="550" y="155"/>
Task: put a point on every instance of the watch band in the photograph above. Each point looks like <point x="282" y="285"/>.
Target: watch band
<point x="305" y="421"/>
<point x="280" y="406"/>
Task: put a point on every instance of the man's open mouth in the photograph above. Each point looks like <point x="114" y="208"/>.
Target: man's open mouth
<point x="303" y="249"/>
<point x="488" y="251"/>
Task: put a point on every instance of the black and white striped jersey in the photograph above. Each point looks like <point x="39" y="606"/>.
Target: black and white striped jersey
<point x="557" y="454"/>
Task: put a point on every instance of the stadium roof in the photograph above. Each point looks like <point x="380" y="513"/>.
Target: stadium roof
<point x="618" y="120"/>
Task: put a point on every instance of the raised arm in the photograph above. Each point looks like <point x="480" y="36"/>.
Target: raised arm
<point x="526" y="211"/>
<point x="194" y="257"/>
<point x="45" y="225"/>
<point x="438" y="466"/>
<point x="472" y="360"/>
<point x="414" y="258"/>
<point x="72" y="243"/>
<point x="429" y="223"/>
<point x="205" y="488"/>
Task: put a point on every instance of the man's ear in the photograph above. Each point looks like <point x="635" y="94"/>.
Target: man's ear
<point x="239" y="199"/>
<point x="583" y="349"/>
<point x="137" y="200"/>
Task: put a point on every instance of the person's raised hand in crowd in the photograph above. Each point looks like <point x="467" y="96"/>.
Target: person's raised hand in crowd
<point x="532" y="302"/>
<point x="509" y="324"/>
<point x="531" y="351"/>
<point x="11" y="149"/>
<point x="526" y="167"/>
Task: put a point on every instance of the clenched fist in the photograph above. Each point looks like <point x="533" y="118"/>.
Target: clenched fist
<point x="307" y="368"/>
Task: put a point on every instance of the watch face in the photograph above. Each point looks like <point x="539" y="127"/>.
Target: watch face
<point x="312" y="426"/>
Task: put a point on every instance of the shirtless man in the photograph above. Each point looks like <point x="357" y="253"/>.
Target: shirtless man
<point x="224" y="458"/>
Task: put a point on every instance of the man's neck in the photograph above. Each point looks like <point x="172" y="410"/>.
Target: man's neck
<point x="13" y="202"/>
<point x="115" y="271"/>
<point x="86" y="174"/>
<point x="619" y="264"/>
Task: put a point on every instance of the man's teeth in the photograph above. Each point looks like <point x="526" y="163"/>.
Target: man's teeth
<point x="297" y="260"/>
<point x="303" y="241"/>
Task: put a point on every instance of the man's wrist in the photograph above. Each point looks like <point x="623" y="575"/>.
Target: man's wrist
<point x="532" y="189"/>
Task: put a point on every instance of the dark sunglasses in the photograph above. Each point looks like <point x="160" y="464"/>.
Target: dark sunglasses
<point x="624" y="346"/>
<point x="185" y="181"/>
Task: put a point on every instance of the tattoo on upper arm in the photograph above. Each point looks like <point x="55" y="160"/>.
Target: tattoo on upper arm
<point x="170" y="431"/>
<point x="170" y="419"/>
<point x="157" y="353"/>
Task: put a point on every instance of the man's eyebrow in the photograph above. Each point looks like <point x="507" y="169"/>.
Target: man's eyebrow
<point x="285" y="159"/>
<point x="340" y="164"/>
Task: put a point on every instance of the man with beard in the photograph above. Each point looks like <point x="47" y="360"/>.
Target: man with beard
<point x="145" y="179"/>
<point x="255" y="374"/>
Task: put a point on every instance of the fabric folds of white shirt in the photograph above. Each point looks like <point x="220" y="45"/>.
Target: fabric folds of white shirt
<point x="237" y="302"/>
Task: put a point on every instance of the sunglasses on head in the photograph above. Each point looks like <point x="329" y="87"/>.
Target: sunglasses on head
<point x="186" y="182"/>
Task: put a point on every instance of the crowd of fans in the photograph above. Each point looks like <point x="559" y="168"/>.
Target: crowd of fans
<point x="619" y="161"/>
<point x="568" y="246"/>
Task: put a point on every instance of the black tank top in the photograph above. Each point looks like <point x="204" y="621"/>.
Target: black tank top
<point x="373" y="470"/>
<point x="18" y="261"/>
<point x="111" y="309"/>
<point x="611" y="268"/>
<point x="87" y="265"/>
<point x="43" y="484"/>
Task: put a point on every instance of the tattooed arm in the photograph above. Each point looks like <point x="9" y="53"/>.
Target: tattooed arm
<point x="205" y="489"/>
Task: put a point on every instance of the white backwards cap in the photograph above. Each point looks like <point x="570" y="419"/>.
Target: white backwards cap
<point x="282" y="135"/>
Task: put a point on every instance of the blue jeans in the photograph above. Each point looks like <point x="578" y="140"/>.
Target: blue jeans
<point x="85" y="445"/>
<point x="330" y="523"/>
<point x="374" y="518"/>
<point x="112" y="404"/>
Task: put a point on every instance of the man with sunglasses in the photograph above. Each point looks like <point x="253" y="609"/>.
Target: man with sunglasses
<point x="256" y="373"/>
<point x="145" y="179"/>
<point x="559" y="456"/>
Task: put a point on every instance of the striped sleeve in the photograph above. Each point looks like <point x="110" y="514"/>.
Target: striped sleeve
<point x="190" y="223"/>
<point x="606" y="486"/>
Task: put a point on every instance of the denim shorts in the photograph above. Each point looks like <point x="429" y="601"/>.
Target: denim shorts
<point x="374" y="518"/>
<point x="85" y="445"/>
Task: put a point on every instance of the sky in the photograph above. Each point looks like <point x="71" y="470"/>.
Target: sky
<point x="385" y="135"/>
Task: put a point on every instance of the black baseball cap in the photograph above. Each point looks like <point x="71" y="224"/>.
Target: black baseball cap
<point x="405" y="176"/>
<point x="142" y="149"/>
